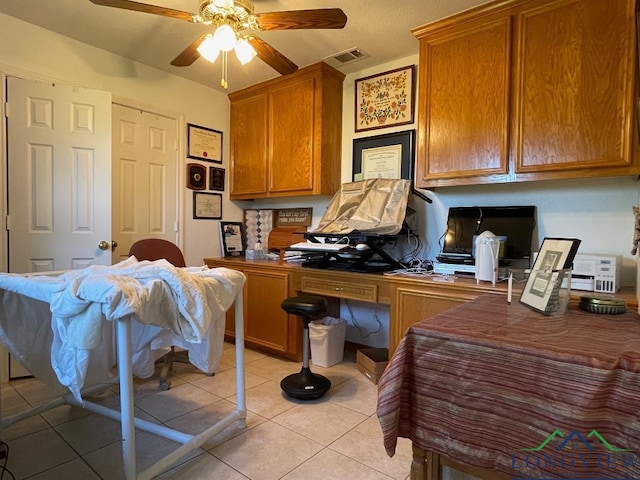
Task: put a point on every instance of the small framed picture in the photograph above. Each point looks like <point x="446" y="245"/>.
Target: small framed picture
<point x="216" y="179"/>
<point x="231" y="236"/>
<point x="552" y="264"/>
<point x="207" y="205"/>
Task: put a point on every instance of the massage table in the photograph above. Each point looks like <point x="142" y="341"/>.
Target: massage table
<point x="70" y="328"/>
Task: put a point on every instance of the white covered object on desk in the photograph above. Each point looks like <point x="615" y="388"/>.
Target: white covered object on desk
<point x="487" y="249"/>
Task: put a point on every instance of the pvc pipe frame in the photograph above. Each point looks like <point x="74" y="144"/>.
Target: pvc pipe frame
<point x="128" y="422"/>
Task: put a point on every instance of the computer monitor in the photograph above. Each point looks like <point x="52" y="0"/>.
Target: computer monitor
<point x="514" y="223"/>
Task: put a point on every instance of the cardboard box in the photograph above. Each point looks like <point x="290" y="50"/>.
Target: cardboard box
<point x="372" y="362"/>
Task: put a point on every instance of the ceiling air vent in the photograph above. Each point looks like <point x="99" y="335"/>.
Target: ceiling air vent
<point x="346" y="57"/>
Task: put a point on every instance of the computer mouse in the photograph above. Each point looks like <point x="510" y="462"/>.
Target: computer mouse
<point x="362" y="246"/>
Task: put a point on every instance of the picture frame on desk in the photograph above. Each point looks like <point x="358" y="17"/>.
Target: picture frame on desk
<point x="231" y="239"/>
<point x="552" y="266"/>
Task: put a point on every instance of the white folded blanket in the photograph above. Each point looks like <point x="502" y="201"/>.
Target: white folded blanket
<point x="182" y="304"/>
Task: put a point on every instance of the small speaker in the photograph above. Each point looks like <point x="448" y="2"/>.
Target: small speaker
<point x="196" y="176"/>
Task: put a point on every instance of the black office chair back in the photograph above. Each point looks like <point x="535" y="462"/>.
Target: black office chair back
<point x="157" y="248"/>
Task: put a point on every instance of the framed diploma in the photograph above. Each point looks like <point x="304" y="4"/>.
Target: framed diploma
<point x="384" y="156"/>
<point x="207" y="205"/>
<point x="204" y="143"/>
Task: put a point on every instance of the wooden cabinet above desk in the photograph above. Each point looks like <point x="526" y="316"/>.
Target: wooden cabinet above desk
<point x="410" y="299"/>
<point x="286" y="135"/>
<point x="523" y="90"/>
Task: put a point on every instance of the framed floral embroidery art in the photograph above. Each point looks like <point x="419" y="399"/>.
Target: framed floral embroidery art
<point x="385" y="100"/>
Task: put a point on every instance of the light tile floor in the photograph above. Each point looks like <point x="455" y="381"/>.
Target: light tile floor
<point x="335" y="437"/>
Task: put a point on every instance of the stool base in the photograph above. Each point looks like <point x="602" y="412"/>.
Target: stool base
<point x="305" y="385"/>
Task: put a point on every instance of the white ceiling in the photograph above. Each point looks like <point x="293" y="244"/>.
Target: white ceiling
<point x="381" y="28"/>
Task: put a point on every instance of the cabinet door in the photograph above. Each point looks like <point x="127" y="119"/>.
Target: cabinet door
<point x="414" y="305"/>
<point x="266" y="324"/>
<point x="464" y="104"/>
<point x="292" y="137"/>
<point x="574" y="82"/>
<point x="248" y="147"/>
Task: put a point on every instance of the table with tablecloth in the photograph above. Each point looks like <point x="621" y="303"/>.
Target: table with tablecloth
<point x="502" y="388"/>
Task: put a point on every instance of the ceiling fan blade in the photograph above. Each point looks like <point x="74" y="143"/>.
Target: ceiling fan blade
<point x="272" y="57"/>
<point x="302" y="19"/>
<point x="189" y="54"/>
<point x="146" y="8"/>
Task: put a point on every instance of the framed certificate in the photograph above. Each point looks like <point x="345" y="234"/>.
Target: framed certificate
<point x="204" y="143"/>
<point x="207" y="205"/>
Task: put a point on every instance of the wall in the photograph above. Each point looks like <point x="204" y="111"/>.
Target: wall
<point x="597" y="211"/>
<point x="68" y="61"/>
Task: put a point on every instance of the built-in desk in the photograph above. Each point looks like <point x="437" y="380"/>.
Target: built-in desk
<point x="410" y="298"/>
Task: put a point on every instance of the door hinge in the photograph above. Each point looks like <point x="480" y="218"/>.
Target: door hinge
<point x="175" y="226"/>
<point x="6" y="109"/>
<point x="7" y="222"/>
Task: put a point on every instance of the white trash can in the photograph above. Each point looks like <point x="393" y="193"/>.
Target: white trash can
<point x="326" y="338"/>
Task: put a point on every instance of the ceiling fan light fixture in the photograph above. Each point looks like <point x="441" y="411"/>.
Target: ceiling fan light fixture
<point x="208" y="49"/>
<point x="225" y="38"/>
<point x="223" y="4"/>
<point x="244" y="51"/>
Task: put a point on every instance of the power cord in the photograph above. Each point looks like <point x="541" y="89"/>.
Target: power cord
<point x="4" y="454"/>
<point x="358" y="326"/>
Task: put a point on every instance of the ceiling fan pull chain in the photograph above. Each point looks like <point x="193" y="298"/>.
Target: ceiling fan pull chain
<point x="223" y="81"/>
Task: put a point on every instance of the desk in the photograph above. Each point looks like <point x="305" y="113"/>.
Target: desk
<point x="410" y="299"/>
<point x="487" y="384"/>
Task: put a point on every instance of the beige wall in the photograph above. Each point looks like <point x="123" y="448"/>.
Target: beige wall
<point x="67" y="61"/>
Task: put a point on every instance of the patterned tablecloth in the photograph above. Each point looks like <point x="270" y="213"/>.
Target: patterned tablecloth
<point x="502" y="387"/>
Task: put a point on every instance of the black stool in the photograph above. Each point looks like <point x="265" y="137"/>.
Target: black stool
<point x="305" y="385"/>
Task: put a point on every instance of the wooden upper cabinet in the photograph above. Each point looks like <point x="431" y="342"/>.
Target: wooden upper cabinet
<point x="248" y="143"/>
<point x="292" y="143"/>
<point x="292" y="136"/>
<point x="574" y="93"/>
<point x="528" y="90"/>
<point x="464" y="101"/>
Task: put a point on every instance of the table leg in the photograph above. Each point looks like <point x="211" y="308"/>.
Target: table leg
<point x="418" y="464"/>
<point x="425" y="464"/>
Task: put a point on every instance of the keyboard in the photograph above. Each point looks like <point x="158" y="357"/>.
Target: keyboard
<point x="318" y="247"/>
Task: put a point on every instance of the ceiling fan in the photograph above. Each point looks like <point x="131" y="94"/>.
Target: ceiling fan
<point x="235" y="22"/>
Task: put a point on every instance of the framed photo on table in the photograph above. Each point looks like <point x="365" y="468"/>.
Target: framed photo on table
<point x="385" y="99"/>
<point x="231" y="236"/>
<point x="207" y="205"/>
<point x="553" y="263"/>
<point x="204" y="143"/>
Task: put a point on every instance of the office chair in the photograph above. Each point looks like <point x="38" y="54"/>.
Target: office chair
<point x="156" y="249"/>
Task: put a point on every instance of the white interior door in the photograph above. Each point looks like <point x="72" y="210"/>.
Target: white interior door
<point x="145" y="178"/>
<point x="59" y="176"/>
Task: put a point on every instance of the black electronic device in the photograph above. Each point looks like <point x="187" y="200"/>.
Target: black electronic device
<point x="370" y="257"/>
<point x="514" y="223"/>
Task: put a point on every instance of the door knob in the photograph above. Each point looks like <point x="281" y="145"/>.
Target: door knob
<point x="114" y="244"/>
<point x="103" y="245"/>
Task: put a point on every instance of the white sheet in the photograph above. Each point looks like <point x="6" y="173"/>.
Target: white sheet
<point x="168" y="306"/>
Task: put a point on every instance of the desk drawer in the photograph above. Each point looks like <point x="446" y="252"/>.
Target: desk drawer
<point x="336" y="288"/>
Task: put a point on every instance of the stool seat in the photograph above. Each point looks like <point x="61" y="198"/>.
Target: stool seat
<point x="305" y="385"/>
<point x="304" y="305"/>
